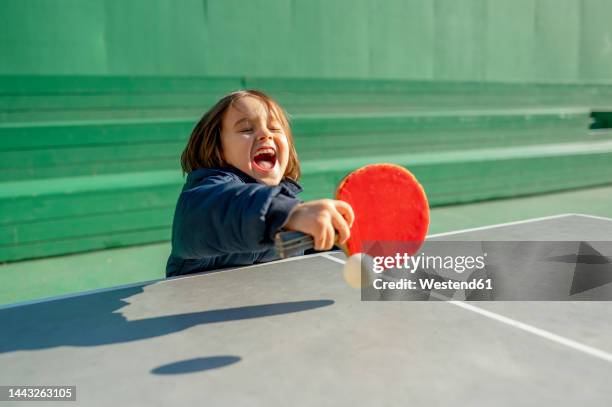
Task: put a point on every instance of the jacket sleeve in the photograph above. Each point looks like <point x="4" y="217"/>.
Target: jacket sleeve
<point x="221" y="216"/>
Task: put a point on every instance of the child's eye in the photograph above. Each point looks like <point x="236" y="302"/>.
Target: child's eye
<point x="246" y="130"/>
<point x="275" y="129"/>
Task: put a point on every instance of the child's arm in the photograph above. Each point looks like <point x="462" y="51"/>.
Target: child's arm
<point x="221" y="216"/>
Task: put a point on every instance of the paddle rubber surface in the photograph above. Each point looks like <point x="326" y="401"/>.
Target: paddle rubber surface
<point x="391" y="210"/>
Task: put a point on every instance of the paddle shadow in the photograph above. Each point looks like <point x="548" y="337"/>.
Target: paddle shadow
<point x="196" y="365"/>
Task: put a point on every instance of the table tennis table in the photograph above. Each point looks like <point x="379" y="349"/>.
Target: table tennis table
<point x="292" y="332"/>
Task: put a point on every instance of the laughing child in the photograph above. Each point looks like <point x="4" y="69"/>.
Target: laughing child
<point x="242" y="172"/>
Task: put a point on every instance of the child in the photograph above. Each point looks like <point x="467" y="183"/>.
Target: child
<point x="241" y="190"/>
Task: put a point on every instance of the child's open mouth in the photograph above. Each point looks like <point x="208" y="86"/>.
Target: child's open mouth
<point x="265" y="159"/>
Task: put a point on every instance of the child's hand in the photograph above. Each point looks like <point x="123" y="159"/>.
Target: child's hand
<point x="322" y="219"/>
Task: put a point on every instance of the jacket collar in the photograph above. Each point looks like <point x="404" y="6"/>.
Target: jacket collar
<point x="292" y="187"/>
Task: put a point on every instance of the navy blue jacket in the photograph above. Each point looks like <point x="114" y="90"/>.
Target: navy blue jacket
<point x="226" y="218"/>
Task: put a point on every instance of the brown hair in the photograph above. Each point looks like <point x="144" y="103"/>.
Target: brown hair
<point x="204" y="149"/>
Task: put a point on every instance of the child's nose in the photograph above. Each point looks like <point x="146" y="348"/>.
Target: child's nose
<point x="265" y="134"/>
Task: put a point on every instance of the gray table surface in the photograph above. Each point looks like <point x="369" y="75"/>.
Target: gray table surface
<point x="294" y="333"/>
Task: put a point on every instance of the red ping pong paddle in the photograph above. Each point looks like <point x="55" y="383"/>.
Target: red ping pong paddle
<point x="391" y="214"/>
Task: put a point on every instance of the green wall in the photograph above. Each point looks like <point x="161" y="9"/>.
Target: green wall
<point x="492" y="40"/>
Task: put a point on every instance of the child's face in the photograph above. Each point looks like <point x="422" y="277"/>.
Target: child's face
<point x="253" y="142"/>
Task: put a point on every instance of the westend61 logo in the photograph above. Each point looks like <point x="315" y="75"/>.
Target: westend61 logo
<point x="484" y="270"/>
<point x="404" y="261"/>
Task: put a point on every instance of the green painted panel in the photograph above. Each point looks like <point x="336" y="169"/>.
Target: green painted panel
<point x="479" y="175"/>
<point x="459" y="40"/>
<point x="100" y="242"/>
<point x="80" y="115"/>
<point x="87" y="184"/>
<point x="41" y="36"/>
<point x="47" y="159"/>
<point x="156" y="37"/>
<point x="596" y="40"/>
<point x="522" y="40"/>
<point x="25" y="136"/>
<point x="510" y="38"/>
<point x="251" y="37"/>
<point x="36" y="98"/>
<point x="104" y="201"/>
<point x="402" y="39"/>
<point x="118" y="86"/>
<point x="84" y="226"/>
<point x="557" y="35"/>
<point x="360" y="138"/>
<point x="45" y="151"/>
<point x="330" y="39"/>
<point x="93" y="169"/>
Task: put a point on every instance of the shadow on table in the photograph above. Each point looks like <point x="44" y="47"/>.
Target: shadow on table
<point x="196" y="365"/>
<point x="90" y="320"/>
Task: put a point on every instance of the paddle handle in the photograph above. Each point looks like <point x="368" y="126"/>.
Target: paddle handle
<point x="291" y="243"/>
